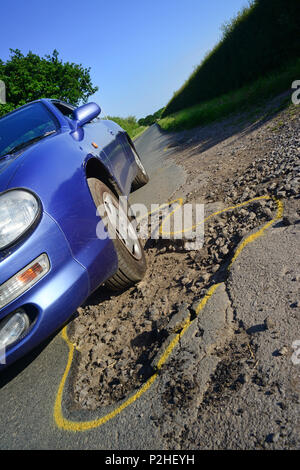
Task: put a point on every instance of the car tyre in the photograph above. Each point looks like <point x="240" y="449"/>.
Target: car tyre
<point x="130" y="252"/>
<point x="142" y="177"/>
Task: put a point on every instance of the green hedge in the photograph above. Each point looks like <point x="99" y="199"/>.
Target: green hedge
<point x="260" y="39"/>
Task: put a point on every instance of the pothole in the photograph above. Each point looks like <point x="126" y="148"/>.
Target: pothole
<point x="119" y="336"/>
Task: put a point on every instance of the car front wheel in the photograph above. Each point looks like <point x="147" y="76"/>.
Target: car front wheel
<point x="142" y="177"/>
<point x="130" y="252"/>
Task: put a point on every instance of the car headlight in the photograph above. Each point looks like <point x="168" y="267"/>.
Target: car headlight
<point x="19" y="209"/>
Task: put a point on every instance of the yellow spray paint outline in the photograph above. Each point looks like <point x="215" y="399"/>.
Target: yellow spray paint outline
<point x="76" y="426"/>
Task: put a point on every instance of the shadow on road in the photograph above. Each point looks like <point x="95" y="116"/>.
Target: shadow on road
<point x="210" y="135"/>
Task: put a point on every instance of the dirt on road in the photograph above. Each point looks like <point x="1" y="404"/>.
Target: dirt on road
<point x="118" y="336"/>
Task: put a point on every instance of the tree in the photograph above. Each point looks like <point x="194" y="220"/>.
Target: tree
<point x="32" y="77"/>
<point x="151" y="118"/>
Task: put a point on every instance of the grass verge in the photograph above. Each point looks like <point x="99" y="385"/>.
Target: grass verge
<point x="237" y="101"/>
<point x="142" y="129"/>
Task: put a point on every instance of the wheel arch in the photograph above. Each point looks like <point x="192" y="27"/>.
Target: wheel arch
<point x="130" y="141"/>
<point x="95" y="169"/>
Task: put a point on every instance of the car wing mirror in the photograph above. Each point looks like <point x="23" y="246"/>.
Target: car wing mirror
<point x="86" y="113"/>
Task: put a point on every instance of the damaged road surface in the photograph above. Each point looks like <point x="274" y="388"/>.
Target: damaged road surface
<point x="245" y="335"/>
<point x="201" y="354"/>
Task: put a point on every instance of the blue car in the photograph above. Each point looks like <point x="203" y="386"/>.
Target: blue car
<point x="62" y="172"/>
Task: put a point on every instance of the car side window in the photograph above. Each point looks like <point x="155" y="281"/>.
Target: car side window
<point x="65" y="109"/>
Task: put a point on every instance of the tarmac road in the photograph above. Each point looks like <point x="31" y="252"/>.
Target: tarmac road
<point x="29" y="388"/>
<point x="165" y="176"/>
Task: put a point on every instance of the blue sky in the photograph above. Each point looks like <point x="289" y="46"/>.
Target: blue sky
<point x="139" y="52"/>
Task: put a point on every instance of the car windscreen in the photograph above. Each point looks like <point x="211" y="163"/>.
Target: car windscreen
<point x="24" y="126"/>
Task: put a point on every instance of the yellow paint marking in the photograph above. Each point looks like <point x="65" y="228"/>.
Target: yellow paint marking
<point x="68" y="425"/>
<point x="259" y="233"/>
<point x="228" y="209"/>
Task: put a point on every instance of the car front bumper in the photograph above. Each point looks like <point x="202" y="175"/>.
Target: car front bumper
<point x="54" y="298"/>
